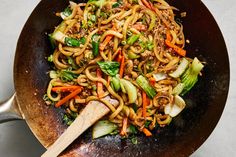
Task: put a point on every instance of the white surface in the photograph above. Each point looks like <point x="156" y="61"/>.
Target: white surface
<point x="16" y="139"/>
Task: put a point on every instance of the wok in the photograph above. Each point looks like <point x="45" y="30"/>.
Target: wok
<point x="205" y="103"/>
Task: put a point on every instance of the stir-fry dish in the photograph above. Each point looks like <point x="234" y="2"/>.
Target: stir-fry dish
<point x="128" y="50"/>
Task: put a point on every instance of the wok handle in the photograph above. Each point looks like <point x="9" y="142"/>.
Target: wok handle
<point x="9" y="110"/>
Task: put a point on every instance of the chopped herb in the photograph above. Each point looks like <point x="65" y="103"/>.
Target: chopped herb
<point x="74" y="42"/>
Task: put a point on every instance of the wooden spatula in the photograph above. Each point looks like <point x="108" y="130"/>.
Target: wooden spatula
<point x="93" y="111"/>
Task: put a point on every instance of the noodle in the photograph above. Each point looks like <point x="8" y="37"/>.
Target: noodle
<point x="103" y="47"/>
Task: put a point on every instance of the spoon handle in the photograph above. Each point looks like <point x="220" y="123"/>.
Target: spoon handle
<point x="93" y="111"/>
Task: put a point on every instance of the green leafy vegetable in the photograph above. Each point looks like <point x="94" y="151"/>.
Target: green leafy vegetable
<point x="144" y="84"/>
<point x="102" y="128"/>
<point x="67" y="12"/>
<point x="109" y="67"/>
<point x="130" y="89"/>
<point x="190" y="76"/>
<point x="115" y="84"/>
<point x="67" y="75"/>
<point x="180" y="69"/>
<point x="95" y="44"/>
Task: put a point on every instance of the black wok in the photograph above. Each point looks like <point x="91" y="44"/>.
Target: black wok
<point x="186" y="133"/>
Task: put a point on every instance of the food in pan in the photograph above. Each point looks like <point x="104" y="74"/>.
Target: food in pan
<point x="128" y="50"/>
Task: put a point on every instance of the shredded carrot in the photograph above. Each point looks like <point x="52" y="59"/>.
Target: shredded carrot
<point x="168" y="36"/>
<point x="77" y="97"/>
<point x="177" y="49"/>
<point x="144" y="97"/>
<point x="119" y="56"/>
<point x="65" y="88"/>
<point x="100" y="91"/>
<point x="152" y="81"/>
<point x="124" y="127"/>
<point x="122" y="66"/>
<point x="147" y="132"/>
<point x="68" y="97"/>
<point x="105" y="42"/>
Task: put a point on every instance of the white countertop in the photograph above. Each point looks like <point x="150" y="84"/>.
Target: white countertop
<point x="17" y="140"/>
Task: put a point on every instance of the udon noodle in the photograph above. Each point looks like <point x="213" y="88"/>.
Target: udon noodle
<point x="102" y="48"/>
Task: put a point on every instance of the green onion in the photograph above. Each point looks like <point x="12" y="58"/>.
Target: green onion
<point x="93" y="18"/>
<point x="50" y="58"/>
<point x="72" y="63"/>
<point x="90" y="23"/>
<point x="150" y="46"/>
<point x="131" y="40"/>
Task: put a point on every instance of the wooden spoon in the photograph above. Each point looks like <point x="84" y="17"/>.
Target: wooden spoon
<point x="93" y="111"/>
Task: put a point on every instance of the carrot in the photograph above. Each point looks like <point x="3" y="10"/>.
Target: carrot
<point x="177" y="49"/>
<point x="100" y="91"/>
<point x="68" y="97"/>
<point x="105" y="42"/>
<point x="124" y="127"/>
<point x="65" y="88"/>
<point x="147" y="132"/>
<point x="168" y="36"/>
<point x="119" y="57"/>
<point x="144" y="97"/>
<point x="122" y="66"/>
<point x="152" y="81"/>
